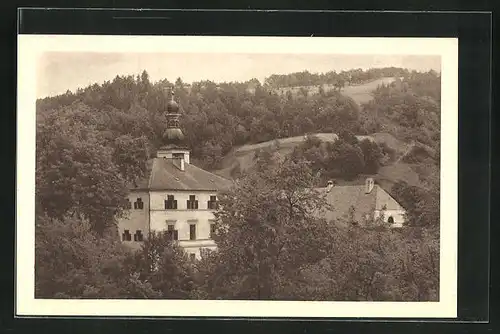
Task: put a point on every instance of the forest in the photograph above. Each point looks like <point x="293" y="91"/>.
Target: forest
<point x="93" y="144"/>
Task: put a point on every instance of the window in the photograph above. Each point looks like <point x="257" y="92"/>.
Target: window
<point x="139" y="204"/>
<point x="192" y="257"/>
<point x="170" y="203"/>
<point x="178" y="155"/>
<point x="192" y="203"/>
<point x="126" y="236"/>
<point x="212" y="203"/>
<point x="129" y="204"/>
<point x="172" y="232"/>
<point x="390" y="220"/>
<point x="192" y="231"/>
<point x="138" y="236"/>
<point x="212" y="229"/>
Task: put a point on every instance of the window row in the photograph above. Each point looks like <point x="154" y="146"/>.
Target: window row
<point x="171" y="231"/>
<point x="174" y="234"/>
<point x="138" y="204"/>
<point x="191" y="203"/>
<point x="171" y="203"/>
<point x="138" y="236"/>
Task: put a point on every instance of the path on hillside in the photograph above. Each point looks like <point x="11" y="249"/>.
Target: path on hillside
<point x="408" y="149"/>
<point x="363" y="93"/>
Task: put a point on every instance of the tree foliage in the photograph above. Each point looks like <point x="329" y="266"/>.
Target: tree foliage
<point x="271" y="217"/>
<point x="270" y="246"/>
<point x="422" y="205"/>
<point x="71" y="261"/>
<point x="346" y="158"/>
<point x="354" y="76"/>
<point x="78" y="176"/>
<point x="164" y="265"/>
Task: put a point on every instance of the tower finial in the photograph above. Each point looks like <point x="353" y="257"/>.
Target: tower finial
<point x="168" y="90"/>
<point x="173" y="134"/>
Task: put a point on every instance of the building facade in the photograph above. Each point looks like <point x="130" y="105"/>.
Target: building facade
<point x="174" y="196"/>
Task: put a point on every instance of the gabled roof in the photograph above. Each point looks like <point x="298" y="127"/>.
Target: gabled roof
<point x="164" y="174"/>
<point x="341" y="198"/>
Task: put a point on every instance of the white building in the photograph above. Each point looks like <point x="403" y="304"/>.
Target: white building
<point x="175" y="196"/>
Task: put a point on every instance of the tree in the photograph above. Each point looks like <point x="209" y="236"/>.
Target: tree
<point x="348" y="137"/>
<point x="321" y="90"/>
<point x="71" y="261"/>
<point x="345" y="160"/>
<point x="267" y="230"/>
<point x="179" y="83"/>
<point x="422" y="205"/>
<point x="372" y="156"/>
<point x="165" y="265"/>
<point x="75" y="173"/>
<point x="130" y="155"/>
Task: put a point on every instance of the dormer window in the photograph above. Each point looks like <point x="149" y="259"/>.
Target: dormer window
<point x="192" y="202"/>
<point x="170" y="203"/>
<point x="126" y="236"/>
<point x="212" y="203"/>
<point x="139" y="204"/>
<point x="177" y="155"/>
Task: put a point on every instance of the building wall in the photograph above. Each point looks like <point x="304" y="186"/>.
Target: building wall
<point x="397" y="215"/>
<point x="135" y="219"/>
<point x="182" y="217"/>
<point x="169" y="154"/>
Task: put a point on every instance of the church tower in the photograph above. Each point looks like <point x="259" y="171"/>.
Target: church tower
<point x="174" y="146"/>
<point x="174" y="196"/>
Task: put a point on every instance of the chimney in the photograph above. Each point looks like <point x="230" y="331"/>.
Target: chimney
<point x="369" y="185"/>
<point x="182" y="164"/>
<point x="329" y="186"/>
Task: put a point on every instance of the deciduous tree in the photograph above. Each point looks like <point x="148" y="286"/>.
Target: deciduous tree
<point x="267" y="230"/>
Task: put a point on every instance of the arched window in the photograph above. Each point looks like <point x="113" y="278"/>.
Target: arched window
<point x="390" y="220"/>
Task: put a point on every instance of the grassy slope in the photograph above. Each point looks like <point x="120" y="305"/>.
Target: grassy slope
<point x="243" y="156"/>
<point x="359" y="93"/>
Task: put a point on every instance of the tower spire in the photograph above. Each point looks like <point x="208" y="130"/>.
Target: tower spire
<point x="173" y="135"/>
<point x="173" y="146"/>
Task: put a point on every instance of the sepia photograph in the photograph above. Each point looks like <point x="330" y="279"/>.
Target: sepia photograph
<point x="283" y="172"/>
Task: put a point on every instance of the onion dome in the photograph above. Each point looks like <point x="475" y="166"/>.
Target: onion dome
<point x="172" y="106"/>
<point x="173" y="134"/>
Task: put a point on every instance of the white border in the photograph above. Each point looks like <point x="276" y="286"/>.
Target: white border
<point x="30" y="47"/>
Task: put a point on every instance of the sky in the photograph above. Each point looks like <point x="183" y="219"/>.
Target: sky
<point x="58" y="72"/>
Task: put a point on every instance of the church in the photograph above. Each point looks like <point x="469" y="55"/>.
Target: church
<point x="174" y="196"/>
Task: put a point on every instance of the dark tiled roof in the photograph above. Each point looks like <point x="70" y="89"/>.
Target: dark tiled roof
<point x="341" y="198"/>
<point x="164" y="174"/>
